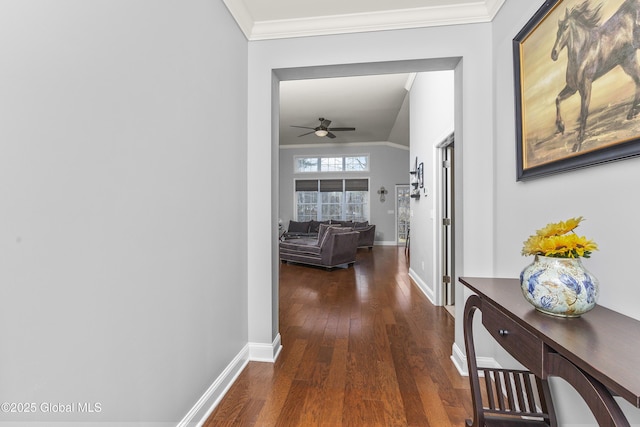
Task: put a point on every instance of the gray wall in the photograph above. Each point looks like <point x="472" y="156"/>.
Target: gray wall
<point x="432" y="120"/>
<point x="388" y="166"/>
<point x="400" y="131"/>
<point x="123" y="232"/>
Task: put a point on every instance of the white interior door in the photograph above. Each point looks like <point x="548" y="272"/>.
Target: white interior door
<point x="403" y="198"/>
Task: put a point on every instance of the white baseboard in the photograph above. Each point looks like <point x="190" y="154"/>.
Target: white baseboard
<point x="422" y="286"/>
<point x="385" y="243"/>
<point x="459" y="360"/>
<point x="214" y="394"/>
<point x="254" y="352"/>
<point x="265" y="352"/>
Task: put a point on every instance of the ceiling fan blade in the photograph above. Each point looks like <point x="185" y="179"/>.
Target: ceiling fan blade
<point x="302" y="127"/>
<point x="308" y="133"/>
<point x="340" y="129"/>
<point x="330" y="135"/>
<point x="325" y="123"/>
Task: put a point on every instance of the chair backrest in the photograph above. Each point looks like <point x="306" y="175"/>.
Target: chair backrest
<point x="514" y="394"/>
<point x="504" y="395"/>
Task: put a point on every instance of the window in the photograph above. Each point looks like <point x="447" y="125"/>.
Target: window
<point x="338" y="199"/>
<point x="355" y="163"/>
<point x="331" y="164"/>
<point x="306" y="200"/>
<point x="356" y="199"/>
<point x="307" y="164"/>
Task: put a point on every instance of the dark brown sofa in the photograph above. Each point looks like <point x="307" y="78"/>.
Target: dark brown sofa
<point x="334" y="246"/>
<point x="367" y="232"/>
<point x="303" y="229"/>
<point x="309" y="229"/>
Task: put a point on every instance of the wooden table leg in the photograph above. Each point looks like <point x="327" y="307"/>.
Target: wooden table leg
<point x="598" y="398"/>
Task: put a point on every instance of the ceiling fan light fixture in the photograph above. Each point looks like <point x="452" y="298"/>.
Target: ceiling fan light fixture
<point x="322" y="130"/>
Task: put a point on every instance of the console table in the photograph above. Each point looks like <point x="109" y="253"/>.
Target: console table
<point x="598" y="353"/>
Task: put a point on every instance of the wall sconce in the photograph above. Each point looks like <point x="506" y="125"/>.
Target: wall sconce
<point x="382" y="191"/>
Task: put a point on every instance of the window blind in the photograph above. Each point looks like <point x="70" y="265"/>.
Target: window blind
<point x="329" y="185"/>
<point x="307" y="185"/>
<point x="356" y="185"/>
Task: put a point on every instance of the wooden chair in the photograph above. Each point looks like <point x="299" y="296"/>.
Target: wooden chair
<point x="506" y="397"/>
<point x="407" y="242"/>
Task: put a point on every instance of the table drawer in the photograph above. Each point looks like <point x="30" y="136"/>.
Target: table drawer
<point x="521" y="344"/>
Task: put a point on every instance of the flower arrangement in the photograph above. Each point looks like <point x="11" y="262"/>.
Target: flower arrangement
<point x="559" y="240"/>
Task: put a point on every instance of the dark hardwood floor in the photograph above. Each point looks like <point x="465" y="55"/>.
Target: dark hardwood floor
<point x="361" y="347"/>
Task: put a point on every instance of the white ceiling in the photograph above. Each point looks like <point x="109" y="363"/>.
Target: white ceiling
<point x="368" y="103"/>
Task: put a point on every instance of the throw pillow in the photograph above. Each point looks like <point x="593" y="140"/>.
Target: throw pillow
<point x="298" y="227"/>
<point x="314" y="226"/>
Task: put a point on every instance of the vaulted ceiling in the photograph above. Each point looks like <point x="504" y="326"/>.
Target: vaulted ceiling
<point x="368" y="103"/>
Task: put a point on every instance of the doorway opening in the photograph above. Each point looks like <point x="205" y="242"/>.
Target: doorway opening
<point x="352" y="70"/>
<point x="403" y="214"/>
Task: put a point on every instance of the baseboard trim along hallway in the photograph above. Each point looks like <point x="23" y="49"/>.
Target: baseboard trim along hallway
<point x="214" y="394"/>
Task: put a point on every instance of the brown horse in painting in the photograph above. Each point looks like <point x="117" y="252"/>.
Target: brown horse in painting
<point x="594" y="50"/>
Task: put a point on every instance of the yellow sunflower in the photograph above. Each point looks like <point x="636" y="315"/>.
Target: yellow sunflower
<point x="559" y="240"/>
<point x="559" y="228"/>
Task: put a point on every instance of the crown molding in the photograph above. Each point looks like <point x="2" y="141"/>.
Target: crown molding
<point x="344" y="144"/>
<point x="471" y="12"/>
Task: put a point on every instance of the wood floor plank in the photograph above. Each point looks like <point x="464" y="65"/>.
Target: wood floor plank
<point x="413" y="408"/>
<point x="361" y="347"/>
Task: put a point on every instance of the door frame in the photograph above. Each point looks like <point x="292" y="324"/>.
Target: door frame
<point x="263" y="324"/>
<point x="445" y="208"/>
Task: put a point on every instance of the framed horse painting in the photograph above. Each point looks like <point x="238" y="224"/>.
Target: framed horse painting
<point x="577" y="77"/>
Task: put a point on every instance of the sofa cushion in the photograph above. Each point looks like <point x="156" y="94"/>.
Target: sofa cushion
<point x="360" y="224"/>
<point x="298" y="227"/>
<point x="299" y="246"/>
<point x="342" y="223"/>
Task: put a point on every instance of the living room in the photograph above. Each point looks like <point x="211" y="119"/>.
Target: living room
<point x="423" y="117"/>
<point x="330" y="171"/>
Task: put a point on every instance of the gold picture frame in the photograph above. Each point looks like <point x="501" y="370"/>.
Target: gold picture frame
<point x="577" y="102"/>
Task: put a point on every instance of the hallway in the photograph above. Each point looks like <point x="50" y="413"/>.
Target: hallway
<point x="361" y="347"/>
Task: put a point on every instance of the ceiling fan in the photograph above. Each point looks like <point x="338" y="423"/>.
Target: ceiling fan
<point x="323" y="129"/>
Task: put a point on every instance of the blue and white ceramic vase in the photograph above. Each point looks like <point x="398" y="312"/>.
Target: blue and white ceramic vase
<point x="559" y="286"/>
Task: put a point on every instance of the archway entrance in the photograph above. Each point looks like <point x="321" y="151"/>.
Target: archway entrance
<point x="348" y="70"/>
